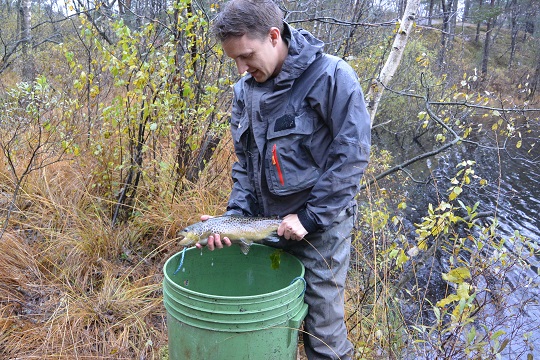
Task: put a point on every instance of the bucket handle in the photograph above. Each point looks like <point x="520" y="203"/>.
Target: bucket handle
<point x="303" y="280"/>
<point x="181" y="261"/>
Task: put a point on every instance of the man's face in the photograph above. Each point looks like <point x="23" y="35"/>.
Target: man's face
<point x="259" y="57"/>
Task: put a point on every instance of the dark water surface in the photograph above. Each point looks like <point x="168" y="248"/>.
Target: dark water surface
<point x="512" y="195"/>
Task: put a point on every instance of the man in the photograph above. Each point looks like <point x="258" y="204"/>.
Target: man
<point x="302" y="137"/>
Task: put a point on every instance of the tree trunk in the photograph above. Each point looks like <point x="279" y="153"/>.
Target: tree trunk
<point x="25" y="17"/>
<point x="446" y="34"/>
<point x="129" y="15"/>
<point x="453" y="20"/>
<point x="345" y="47"/>
<point x="394" y="58"/>
<point x="535" y="83"/>
<point x="531" y="15"/>
<point x="513" y="31"/>
<point x="487" y="43"/>
<point x="478" y="24"/>
<point x="401" y="7"/>
<point x="466" y="10"/>
<point x="430" y="14"/>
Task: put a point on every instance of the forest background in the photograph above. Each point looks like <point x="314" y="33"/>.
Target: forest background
<point x="114" y="135"/>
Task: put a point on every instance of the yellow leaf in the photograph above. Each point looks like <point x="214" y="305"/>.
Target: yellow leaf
<point x="402" y="258"/>
<point x="463" y="290"/>
<point x="457" y="275"/>
<point x="447" y="300"/>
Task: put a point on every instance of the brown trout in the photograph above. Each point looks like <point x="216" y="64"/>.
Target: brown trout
<point x="239" y="229"/>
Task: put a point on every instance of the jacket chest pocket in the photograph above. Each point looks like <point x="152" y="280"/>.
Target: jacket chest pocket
<point x="290" y="165"/>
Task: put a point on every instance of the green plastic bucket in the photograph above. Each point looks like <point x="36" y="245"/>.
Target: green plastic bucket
<point x="226" y="305"/>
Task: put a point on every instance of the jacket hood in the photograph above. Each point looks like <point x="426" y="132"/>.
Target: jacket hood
<point x="303" y="49"/>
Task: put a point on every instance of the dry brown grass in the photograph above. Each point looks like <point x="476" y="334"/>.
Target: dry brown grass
<point x="73" y="287"/>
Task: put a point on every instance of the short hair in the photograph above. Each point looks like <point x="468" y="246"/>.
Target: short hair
<point x="252" y="17"/>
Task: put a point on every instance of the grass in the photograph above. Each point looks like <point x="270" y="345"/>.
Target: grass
<point x="74" y="287"/>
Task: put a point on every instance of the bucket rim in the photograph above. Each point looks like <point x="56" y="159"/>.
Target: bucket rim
<point x="228" y="308"/>
<point x="285" y="289"/>
<point x="234" y="326"/>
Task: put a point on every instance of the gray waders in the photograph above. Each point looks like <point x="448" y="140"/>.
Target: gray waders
<point x="325" y="256"/>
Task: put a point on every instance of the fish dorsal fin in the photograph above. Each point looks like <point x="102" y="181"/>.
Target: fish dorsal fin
<point x="245" y="245"/>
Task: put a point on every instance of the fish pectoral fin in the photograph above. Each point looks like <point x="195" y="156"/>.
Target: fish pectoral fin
<point x="245" y="245"/>
<point x="272" y="237"/>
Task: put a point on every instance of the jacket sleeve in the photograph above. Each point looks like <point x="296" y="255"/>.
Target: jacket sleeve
<point x="340" y="102"/>
<point x="242" y="200"/>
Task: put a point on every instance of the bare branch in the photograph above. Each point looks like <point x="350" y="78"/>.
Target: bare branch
<point x="87" y="13"/>
<point x="334" y="21"/>
<point x="456" y="137"/>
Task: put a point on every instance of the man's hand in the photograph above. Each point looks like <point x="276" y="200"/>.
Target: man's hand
<point x="214" y="241"/>
<point x="291" y="228"/>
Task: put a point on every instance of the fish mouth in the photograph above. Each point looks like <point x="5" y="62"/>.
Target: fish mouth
<point x="182" y="237"/>
<point x="185" y="240"/>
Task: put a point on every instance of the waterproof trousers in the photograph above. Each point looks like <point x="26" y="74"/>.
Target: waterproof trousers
<point x="325" y="257"/>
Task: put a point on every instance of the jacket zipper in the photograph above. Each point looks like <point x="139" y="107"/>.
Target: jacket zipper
<point x="275" y="162"/>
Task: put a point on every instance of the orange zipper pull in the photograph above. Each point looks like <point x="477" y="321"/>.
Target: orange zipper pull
<point x="275" y="162"/>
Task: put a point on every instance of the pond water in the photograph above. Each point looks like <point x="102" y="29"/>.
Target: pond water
<point x="512" y="194"/>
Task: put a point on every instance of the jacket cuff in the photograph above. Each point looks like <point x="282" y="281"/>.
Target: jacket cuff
<point x="233" y="212"/>
<point x="306" y="221"/>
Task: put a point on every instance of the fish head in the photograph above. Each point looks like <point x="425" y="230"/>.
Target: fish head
<point x="196" y="233"/>
<point x="188" y="238"/>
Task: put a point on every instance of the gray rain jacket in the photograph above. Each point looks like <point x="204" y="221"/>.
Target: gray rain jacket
<point x="302" y="138"/>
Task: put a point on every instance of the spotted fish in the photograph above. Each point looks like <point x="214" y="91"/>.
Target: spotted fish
<point x="239" y="229"/>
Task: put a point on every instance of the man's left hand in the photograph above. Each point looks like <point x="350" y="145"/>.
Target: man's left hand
<point x="291" y="228"/>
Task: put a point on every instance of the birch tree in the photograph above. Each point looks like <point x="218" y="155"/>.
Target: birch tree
<point x="394" y="58"/>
